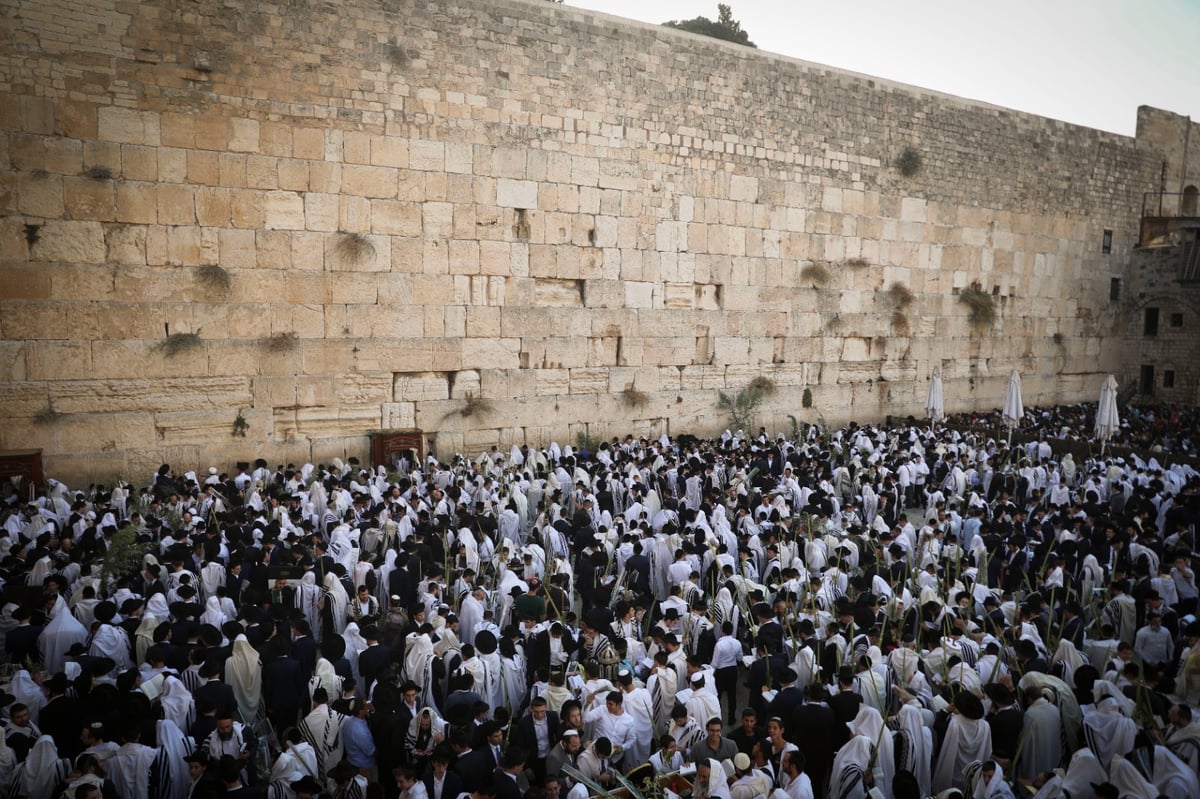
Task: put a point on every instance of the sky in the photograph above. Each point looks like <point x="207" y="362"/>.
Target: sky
<point x="1090" y="62"/>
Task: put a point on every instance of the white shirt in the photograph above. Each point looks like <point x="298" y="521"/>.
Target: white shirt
<point x="728" y="652"/>
<point x="542" y="730"/>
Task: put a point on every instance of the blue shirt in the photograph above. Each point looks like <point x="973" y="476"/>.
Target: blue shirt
<point x="360" y="746"/>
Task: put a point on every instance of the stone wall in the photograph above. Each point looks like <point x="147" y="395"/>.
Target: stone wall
<point x="590" y="224"/>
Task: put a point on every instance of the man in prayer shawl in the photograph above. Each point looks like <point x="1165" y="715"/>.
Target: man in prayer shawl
<point x="1041" y="750"/>
<point x="244" y="673"/>
<point x="322" y="728"/>
<point x="1183" y="735"/>
<point x="869" y="724"/>
<point x="108" y="640"/>
<point x="41" y="771"/>
<point x="470" y="616"/>
<point x="968" y="739"/>
<point x="419" y="660"/>
<point x="297" y="761"/>
<point x="711" y="781"/>
<point x="63" y="632"/>
<point x="914" y="746"/>
<point x="1108" y="731"/>
<point x="174" y="781"/>
<point x="134" y="767"/>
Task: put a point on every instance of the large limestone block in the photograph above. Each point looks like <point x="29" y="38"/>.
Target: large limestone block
<point x="363" y="389"/>
<point x="499" y="353"/>
<point x="169" y="394"/>
<point x="70" y="242"/>
<point x="283" y="210"/>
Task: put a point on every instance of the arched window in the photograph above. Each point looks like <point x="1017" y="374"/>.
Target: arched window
<point x="1189" y="201"/>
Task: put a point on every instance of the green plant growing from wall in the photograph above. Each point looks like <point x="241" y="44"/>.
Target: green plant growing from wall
<point x="817" y="274"/>
<point x="176" y="343"/>
<point x="981" y="307"/>
<point x="354" y="248"/>
<point x="99" y="173"/>
<point x="588" y="442"/>
<point x="214" y="278"/>
<point x="909" y="161"/>
<point x="806" y="399"/>
<point x="240" y="426"/>
<point x="632" y="398"/>
<point x="743" y="405"/>
<point x="281" y="342"/>
<point x="48" y="415"/>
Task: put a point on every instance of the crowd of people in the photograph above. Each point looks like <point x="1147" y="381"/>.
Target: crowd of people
<point x="898" y="612"/>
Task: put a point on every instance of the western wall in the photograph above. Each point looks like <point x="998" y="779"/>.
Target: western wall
<point x="235" y="229"/>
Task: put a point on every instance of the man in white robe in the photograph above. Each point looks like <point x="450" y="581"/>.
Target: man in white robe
<point x="1042" y="750"/>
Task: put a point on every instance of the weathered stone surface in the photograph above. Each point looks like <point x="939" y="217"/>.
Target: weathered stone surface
<point x="544" y="240"/>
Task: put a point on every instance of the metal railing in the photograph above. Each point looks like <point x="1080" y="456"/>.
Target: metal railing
<point x="1167" y="204"/>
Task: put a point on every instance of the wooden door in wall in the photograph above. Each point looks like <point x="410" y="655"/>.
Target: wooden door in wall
<point x="388" y="446"/>
<point x="25" y="464"/>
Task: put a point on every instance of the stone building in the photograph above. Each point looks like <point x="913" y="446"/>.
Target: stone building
<point x="235" y="228"/>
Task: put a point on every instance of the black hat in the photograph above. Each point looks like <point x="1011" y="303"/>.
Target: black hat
<point x="199" y="756"/>
<point x="1106" y="790"/>
<point x="307" y="784"/>
<point x="105" y="611"/>
<point x="969" y="705"/>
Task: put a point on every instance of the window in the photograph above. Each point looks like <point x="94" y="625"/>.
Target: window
<point x="1147" y="381"/>
<point x="1168" y="378"/>
<point x="1150" y="327"/>
<point x="1106" y="247"/>
<point x="1114" y="289"/>
<point x="1189" y="202"/>
<point x="1176" y="320"/>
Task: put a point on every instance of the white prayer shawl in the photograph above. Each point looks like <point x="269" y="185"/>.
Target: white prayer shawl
<point x="967" y="741"/>
<point x="28" y="693"/>
<point x="111" y="641"/>
<point x="1070" y="657"/>
<point x="917" y="748"/>
<point x="324" y="676"/>
<point x="177" y="703"/>
<point x="1129" y="781"/>
<point x="850" y="765"/>
<point x="1108" y="732"/>
<point x="307" y="600"/>
<point x="869" y="724"/>
<point x="716" y="786"/>
<point x="335" y="595"/>
<point x="322" y="728"/>
<point x="418" y="665"/>
<point x="63" y="632"/>
<point x="1083" y="770"/>
<point x="213" y="614"/>
<point x="1060" y="694"/>
<point x="1172" y="777"/>
<point x="492" y="687"/>
<point x="1042" y="750"/>
<point x="143" y="637"/>
<point x="174" y="779"/>
<point x="469" y="618"/>
<point x="42" y="770"/>
<point x="385" y="574"/>
<point x="295" y="763"/>
<point x="129" y="769"/>
<point x="8" y="763"/>
<point x="512" y="680"/>
<point x="244" y="672"/>
<point x="995" y="788"/>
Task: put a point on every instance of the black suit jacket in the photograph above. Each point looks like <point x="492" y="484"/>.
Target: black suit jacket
<point x="526" y="737"/>
<point x="372" y="663"/>
<point x="452" y="787"/>
<point x="304" y="650"/>
<point x="284" y="688"/>
<point x="506" y="786"/>
<point x="845" y="705"/>
<point x="473" y="766"/>
<point x="217" y="694"/>
<point x="811" y="729"/>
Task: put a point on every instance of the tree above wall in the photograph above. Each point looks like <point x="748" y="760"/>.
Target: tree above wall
<point x="725" y="27"/>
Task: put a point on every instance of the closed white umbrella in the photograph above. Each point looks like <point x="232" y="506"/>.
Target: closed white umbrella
<point x="935" y="405"/>
<point x="1013" y="409"/>
<point x="1108" y="418"/>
